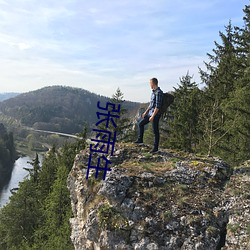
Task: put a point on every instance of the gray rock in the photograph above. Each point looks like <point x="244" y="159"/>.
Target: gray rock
<point x="191" y="205"/>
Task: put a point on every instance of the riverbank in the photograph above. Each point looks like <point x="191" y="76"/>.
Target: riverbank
<point x="18" y="174"/>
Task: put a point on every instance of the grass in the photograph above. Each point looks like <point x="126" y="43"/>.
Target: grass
<point x="174" y="160"/>
<point x="111" y="219"/>
<point x="166" y="215"/>
<point x="135" y="168"/>
<point x="246" y="164"/>
<point x="183" y="201"/>
<point x="233" y="228"/>
<point x="248" y="228"/>
<point x="213" y="231"/>
<point x="147" y="155"/>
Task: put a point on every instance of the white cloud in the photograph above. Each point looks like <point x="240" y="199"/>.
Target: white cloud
<point x="100" y="45"/>
<point x="23" y="46"/>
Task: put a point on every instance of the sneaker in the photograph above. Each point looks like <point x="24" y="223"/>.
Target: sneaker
<point x="138" y="141"/>
<point x="154" y="150"/>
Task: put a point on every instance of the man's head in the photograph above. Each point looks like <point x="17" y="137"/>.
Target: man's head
<point x="153" y="83"/>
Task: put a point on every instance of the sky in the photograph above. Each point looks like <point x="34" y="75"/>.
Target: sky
<point x="100" y="45"/>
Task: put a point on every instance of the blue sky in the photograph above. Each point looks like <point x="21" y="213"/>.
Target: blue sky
<point x="100" y="45"/>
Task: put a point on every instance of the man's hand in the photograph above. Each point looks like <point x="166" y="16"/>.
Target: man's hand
<point x="144" y="114"/>
<point x="156" y="110"/>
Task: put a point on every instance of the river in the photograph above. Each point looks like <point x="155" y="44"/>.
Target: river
<point x="17" y="175"/>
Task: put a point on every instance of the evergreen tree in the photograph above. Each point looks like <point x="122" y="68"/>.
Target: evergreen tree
<point x="34" y="172"/>
<point x="237" y="106"/>
<point x="8" y="153"/>
<point x="55" y="231"/>
<point x="48" y="171"/>
<point x="183" y="128"/>
<point x="122" y="122"/>
<point x="70" y="150"/>
<point x="20" y="217"/>
<point x="37" y="216"/>
<point x="225" y="113"/>
<point x="219" y="79"/>
<point x="81" y="143"/>
<point x="242" y="38"/>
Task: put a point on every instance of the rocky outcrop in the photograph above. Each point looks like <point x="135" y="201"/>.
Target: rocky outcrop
<point x="237" y="204"/>
<point x="159" y="201"/>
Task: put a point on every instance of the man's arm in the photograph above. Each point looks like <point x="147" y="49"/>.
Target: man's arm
<point x="145" y="113"/>
<point x="156" y="110"/>
<point x="158" y="101"/>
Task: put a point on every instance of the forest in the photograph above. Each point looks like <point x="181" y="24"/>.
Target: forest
<point x="7" y="154"/>
<point x="213" y="120"/>
<point x="54" y="108"/>
<point x="37" y="216"/>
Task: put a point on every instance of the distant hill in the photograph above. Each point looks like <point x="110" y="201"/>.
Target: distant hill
<point x="57" y="108"/>
<point x="5" y="96"/>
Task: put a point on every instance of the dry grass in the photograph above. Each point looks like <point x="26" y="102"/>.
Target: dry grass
<point x="158" y="168"/>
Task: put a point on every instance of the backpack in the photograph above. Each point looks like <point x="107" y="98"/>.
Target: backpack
<point x="167" y="100"/>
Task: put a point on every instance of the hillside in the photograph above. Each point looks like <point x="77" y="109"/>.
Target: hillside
<point x="165" y="201"/>
<point x="5" y="96"/>
<point x="57" y="108"/>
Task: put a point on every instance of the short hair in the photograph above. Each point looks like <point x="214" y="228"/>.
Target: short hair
<point x="155" y="81"/>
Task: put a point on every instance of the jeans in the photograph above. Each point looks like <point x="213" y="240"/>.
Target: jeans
<point x="155" y="126"/>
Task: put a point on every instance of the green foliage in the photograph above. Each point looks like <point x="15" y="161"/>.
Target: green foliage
<point x="8" y="155"/>
<point x="54" y="230"/>
<point x="37" y="216"/>
<point x="148" y="134"/>
<point x="47" y="175"/>
<point x="122" y="122"/>
<point x="220" y="81"/>
<point x="34" y="172"/>
<point x="7" y="147"/>
<point x="166" y="215"/>
<point x="225" y="115"/>
<point x="216" y="119"/>
<point x="233" y="228"/>
<point x="19" y="218"/>
<point x="123" y="126"/>
<point x="111" y="219"/>
<point x="183" y="128"/>
<point x="248" y="228"/>
<point x="56" y="108"/>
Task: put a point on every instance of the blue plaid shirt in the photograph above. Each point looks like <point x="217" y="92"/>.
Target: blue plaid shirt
<point x="156" y="100"/>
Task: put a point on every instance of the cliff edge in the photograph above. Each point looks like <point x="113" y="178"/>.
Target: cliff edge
<point x="167" y="200"/>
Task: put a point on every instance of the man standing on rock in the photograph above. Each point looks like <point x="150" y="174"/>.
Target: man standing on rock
<point x="152" y="114"/>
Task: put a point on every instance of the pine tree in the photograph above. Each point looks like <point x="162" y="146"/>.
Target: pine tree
<point x="121" y="122"/>
<point x="220" y="79"/>
<point x="34" y="172"/>
<point x="48" y="171"/>
<point x="237" y="106"/>
<point x="183" y="128"/>
<point x="81" y="143"/>
<point x="37" y="216"/>
<point x="20" y="217"/>
<point x="55" y="230"/>
<point x="221" y="70"/>
<point x="242" y="38"/>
